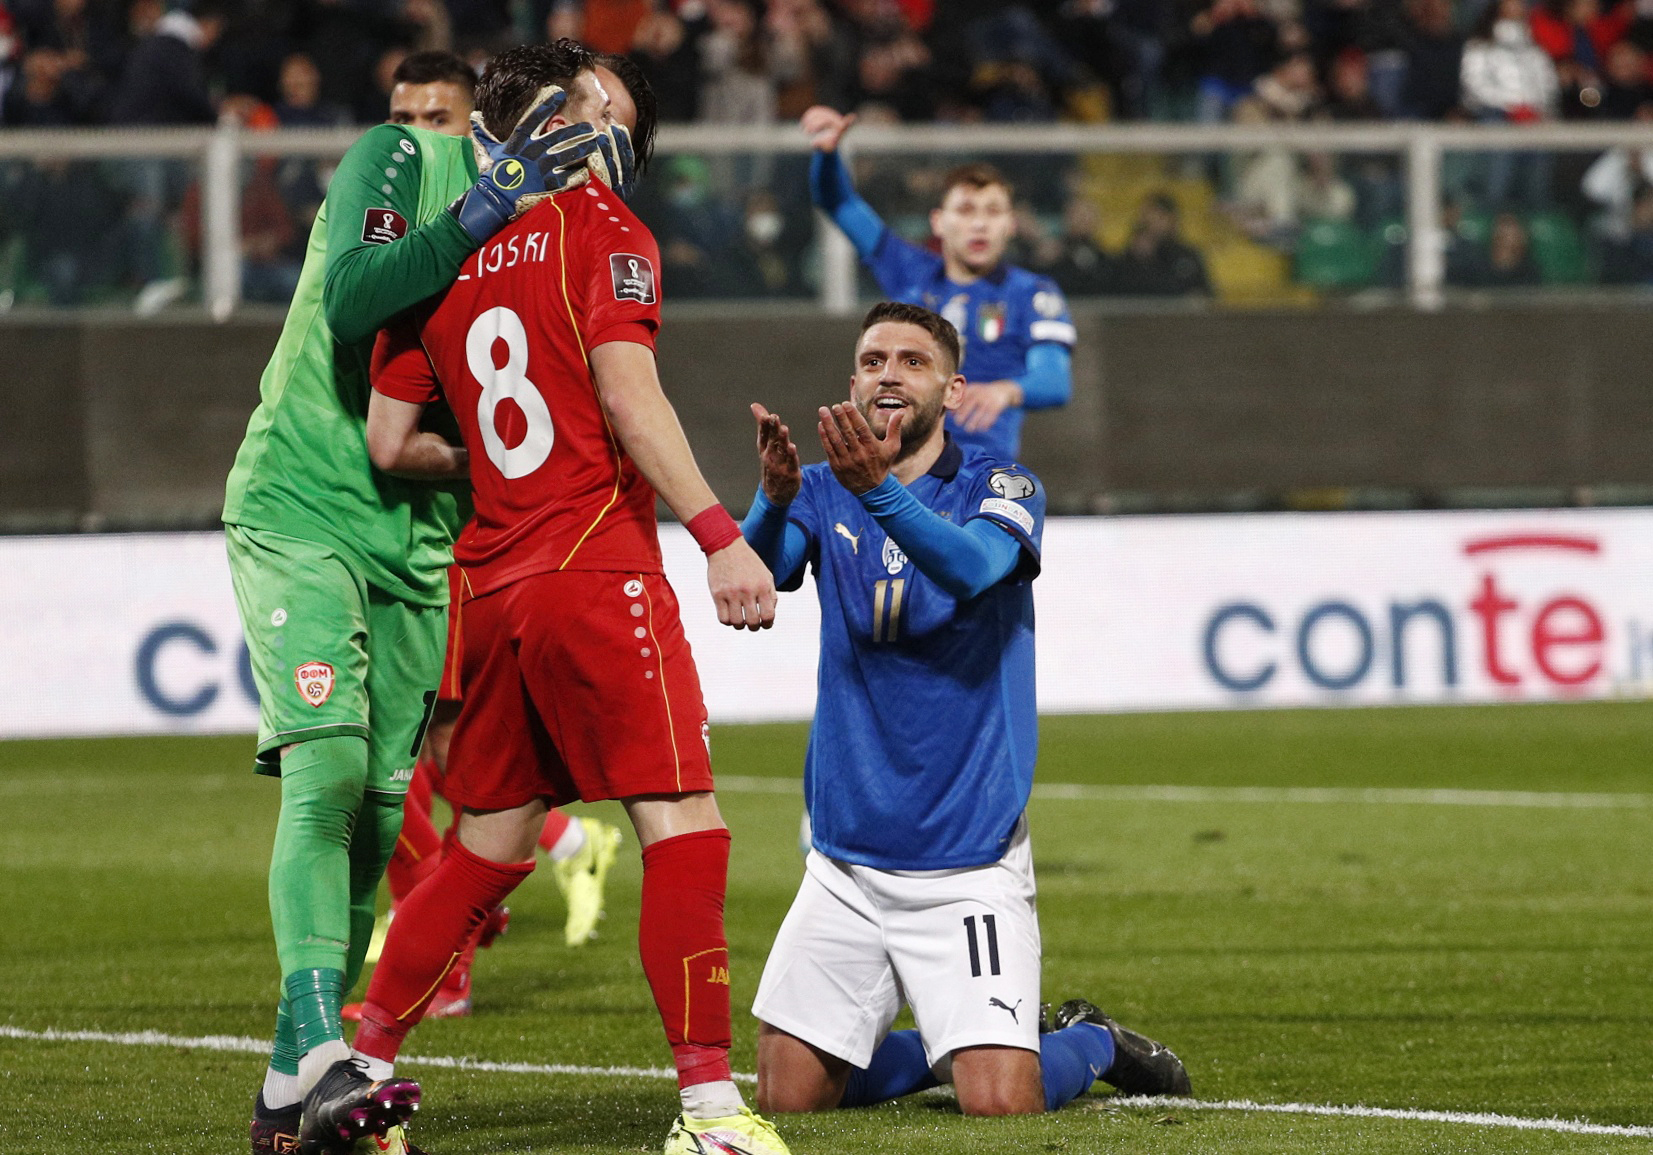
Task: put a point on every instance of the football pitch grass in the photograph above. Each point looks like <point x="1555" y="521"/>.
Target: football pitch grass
<point x="1420" y="910"/>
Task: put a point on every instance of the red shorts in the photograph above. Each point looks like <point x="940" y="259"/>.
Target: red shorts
<point x="579" y="685"/>
<point x="447" y="690"/>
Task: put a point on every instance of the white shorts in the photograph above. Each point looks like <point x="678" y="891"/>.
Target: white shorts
<point x="961" y="947"/>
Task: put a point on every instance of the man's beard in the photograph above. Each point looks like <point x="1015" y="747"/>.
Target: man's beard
<point x="917" y="424"/>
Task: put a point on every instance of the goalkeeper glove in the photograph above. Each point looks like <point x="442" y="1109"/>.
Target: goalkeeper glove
<point x="615" y="164"/>
<point x="533" y="162"/>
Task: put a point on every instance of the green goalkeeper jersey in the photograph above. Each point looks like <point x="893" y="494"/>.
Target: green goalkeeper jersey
<point x="381" y="242"/>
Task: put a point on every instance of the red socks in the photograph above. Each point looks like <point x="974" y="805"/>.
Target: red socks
<point x="685" y="954"/>
<point x="555" y="823"/>
<point x="435" y="926"/>
<point x="419" y="847"/>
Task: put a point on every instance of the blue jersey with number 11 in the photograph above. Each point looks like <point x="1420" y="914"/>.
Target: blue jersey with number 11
<point x="921" y="755"/>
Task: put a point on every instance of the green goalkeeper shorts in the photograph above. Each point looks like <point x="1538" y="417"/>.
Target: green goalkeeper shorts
<point x="333" y="655"/>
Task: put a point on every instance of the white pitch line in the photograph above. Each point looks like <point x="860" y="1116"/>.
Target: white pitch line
<point x="1269" y="795"/>
<point x="241" y="1044"/>
<point x="1470" y="1118"/>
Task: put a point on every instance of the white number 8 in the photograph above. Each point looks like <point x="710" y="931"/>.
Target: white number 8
<point x="511" y="381"/>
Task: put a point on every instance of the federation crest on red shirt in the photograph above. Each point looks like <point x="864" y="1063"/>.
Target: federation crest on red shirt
<point x="314" y="681"/>
<point x="990" y="321"/>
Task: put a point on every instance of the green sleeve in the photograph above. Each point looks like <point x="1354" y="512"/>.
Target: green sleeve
<point x="368" y="283"/>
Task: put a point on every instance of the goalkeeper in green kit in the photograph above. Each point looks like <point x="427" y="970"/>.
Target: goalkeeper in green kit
<point x="340" y="574"/>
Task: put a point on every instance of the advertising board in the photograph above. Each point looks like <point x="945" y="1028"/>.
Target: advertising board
<point x="138" y="634"/>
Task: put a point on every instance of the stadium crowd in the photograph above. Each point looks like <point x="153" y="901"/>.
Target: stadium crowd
<point x="317" y="62"/>
<point x="745" y="230"/>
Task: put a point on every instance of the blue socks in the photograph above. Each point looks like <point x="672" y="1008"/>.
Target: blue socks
<point x="1070" y="1060"/>
<point x="898" y="1068"/>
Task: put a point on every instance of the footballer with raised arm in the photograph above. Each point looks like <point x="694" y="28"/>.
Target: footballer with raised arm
<point x="919" y="887"/>
<point x="1014" y="328"/>
<point x="578" y="679"/>
<point x="340" y="578"/>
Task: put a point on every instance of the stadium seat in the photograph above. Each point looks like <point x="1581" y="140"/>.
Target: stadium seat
<point x="1558" y="249"/>
<point x="1333" y="255"/>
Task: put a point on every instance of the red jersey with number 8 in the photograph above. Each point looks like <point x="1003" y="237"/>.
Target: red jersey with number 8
<point x="508" y="346"/>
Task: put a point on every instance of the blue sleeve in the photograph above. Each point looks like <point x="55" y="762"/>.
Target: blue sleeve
<point x="835" y="195"/>
<point x="783" y="545"/>
<point x="964" y="560"/>
<point x="1048" y="380"/>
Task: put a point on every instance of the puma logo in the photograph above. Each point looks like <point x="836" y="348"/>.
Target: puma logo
<point x="854" y="539"/>
<point x="1006" y="1007"/>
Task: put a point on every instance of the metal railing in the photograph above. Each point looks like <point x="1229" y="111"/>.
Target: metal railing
<point x="219" y="153"/>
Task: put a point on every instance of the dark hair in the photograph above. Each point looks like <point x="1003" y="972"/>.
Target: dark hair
<point x="642" y="95"/>
<point x="975" y="175"/>
<point x="1485" y="22"/>
<point x="515" y="75"/>
<point x="939" y="327"/>
<point x="435" y="68"/>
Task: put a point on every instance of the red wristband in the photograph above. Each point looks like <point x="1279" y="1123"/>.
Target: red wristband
<point x="713" y="529"/>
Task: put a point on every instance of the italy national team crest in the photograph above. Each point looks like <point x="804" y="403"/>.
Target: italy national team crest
<point x="894" y="560"/>
<point x="314" y="681"/>
<point x="990" y="321"/>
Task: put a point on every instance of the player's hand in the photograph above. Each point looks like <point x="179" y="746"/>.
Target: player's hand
<point x="782" y="475"/>
<point x="825" y="126"/>
<point x="859" y="458"/>
<point x="983" y="404"/>
<point x="533" y="162"/>
<point x="742" y="587"/>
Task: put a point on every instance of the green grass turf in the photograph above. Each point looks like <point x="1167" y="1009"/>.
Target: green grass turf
<point x="1445" y="958"/>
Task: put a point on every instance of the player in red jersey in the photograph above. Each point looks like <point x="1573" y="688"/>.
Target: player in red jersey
<point x="578" y="680"/>
<point x="435" y="91"/>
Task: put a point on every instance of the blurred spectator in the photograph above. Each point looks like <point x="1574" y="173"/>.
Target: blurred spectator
<point x="1239" y="45"/>
<point x="1020" y="70"/>
<point x="92" y="40"/>
<point x="1349" y="87"/>
<point x="1507" y="262"/>
<point x="766" y="258"/>
<point x="1505" y="76"/>
<point x="39" y="99"/>
<point x="1289" y="90"/>
<point x="373" y="103"/>
<point x="1156" y="262"/>
<point x="165" y="79"/>
<point x="1614" y="180"/>
<point x="1141" y="33"/>
<point x="1508" y="79"/>
<point x="270" y="253"/>
<point x="300" y="105"/>
<point x="894" y="68"/>
<point x="430" y="28"/>
<point x="1628" y="260"/>
<point x="611" y="25"/>
<point x="667" y="51"/>
<point x="740" y="64"/>
<point x="823" y="52"/>
<point x="1072" y="258"/>
<point x="67" y="219"/>
<point x="1434" y="60"/>
<point x="1627" y="87"/>
<point x="1577" y="36"/>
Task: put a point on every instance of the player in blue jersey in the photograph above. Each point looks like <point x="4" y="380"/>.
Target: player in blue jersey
<point x="919" y="887"/>
<point x="1014" y="326"/>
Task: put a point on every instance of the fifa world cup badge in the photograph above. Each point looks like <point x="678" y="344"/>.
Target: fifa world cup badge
<point x="314" y="681"/>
